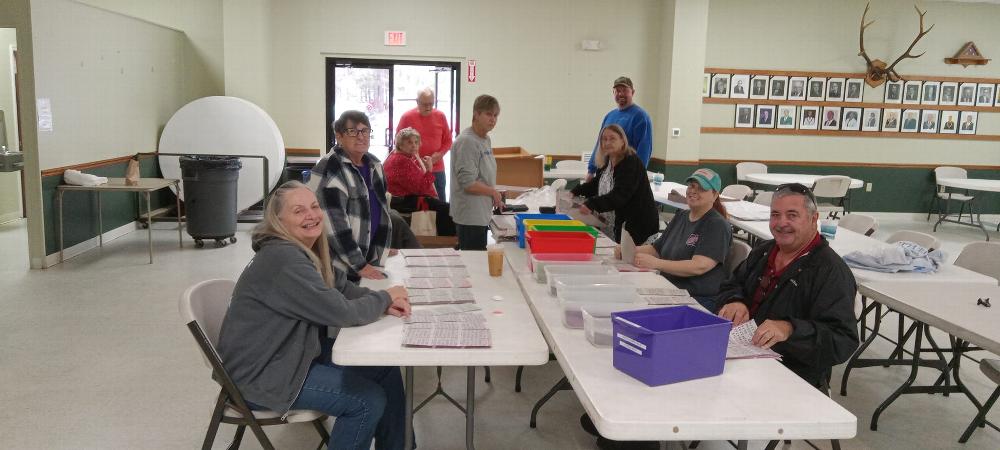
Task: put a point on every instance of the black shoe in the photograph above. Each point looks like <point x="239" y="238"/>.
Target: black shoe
<point x="607" y="444"/>
<point x="588" y="425"/>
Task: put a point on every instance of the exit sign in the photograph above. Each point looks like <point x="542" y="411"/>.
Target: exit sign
<point x="395" y="38"/>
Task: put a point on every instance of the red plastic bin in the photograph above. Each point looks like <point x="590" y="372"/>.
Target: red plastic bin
<point x="560" y="242"/>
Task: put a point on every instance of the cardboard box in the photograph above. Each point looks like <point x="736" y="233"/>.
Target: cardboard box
<point x="517" y="167"/>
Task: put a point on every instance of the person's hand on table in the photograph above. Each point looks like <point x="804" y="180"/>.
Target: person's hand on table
<point x="772" y="332"/>
<point x="645" y="261"/>
<point x="585" y="210"/>
<point x="736" y="312"/>
<point x="497" y="199"/>
<point x="400" y="306"/>
<point x="371" y="272"/>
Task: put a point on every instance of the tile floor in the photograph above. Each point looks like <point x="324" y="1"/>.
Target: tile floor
<point x="94" y="356"/>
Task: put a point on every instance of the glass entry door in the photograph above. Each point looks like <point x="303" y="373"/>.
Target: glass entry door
<point x="384" y="90"/>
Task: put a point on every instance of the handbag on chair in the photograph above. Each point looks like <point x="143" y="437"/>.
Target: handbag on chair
<point x="423" y="221"/>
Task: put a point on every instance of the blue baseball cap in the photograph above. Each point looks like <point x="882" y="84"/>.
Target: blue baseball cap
<point x="707" y="178"/>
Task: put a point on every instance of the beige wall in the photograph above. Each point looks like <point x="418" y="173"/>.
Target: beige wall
<point x="10" y="182"/>
<point x="113" y="81"/>
<point x="552" y="94"/>
<point x="823" y="36"/>
<point x="201" y="23"/>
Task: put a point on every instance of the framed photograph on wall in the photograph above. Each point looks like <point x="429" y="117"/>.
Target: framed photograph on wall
<point x="835" y="89"/>
<point x="911" y="93"/>
<point x="996" y="92"/>
<point x="929" y="121"/>
<point x="739" y="86"/>
<point x="967" y="125"/>
<point x="797" y="88"/>
<point x="831" y="117"/>
<point x="706" y="84"/>
<point x="890" y="120"/>
<point x="808" y="117"/>
<point x="855" y="90"/>
<point x="929" y="93"/>
<point x="758" y="87"/>
<point x="949" y="93"/>
<point x="985" y="97"/>
<point x="911" y="121"/>
<point x="949" y="122"/>
<point x="765" y="116"/>
<point x="786" y="116"/>
<point x="720" y="85"/>
<point x="871" y="119"/>
<point x="851" y="120"/>
<point x="893" y="92"/>
<point x="967" y="94"/>
<point x="778" y="89"/>
<point x="817" y="88"/>
<point x="744" y="116"/>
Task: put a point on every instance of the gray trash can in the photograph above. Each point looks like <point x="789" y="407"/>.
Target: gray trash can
<point x="210" y="197"/>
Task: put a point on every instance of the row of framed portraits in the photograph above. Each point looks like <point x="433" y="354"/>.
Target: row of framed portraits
<point x="780" y="87"/>
<point x="856" y="119"/>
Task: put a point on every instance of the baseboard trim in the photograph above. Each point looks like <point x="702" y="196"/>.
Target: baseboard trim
<point x="90" y="244"/>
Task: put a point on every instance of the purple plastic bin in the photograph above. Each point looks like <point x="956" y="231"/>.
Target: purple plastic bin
<point x="667" y="345"/>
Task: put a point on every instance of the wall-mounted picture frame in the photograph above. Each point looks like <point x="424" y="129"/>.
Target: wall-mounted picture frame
<point x="778" y="88"/>
<point x="809" y="117"/>
<point x="855" y="90"/>
<point x="706" y="85"/>
<point x="893" y="92"/>
<point x="949" y="122"/>
<point x="985" y="95"/>
<point x="739" y="86"/>
<point x="890" y="120"/>
<point x="929" y="121"/>
<point x="720" y="85"/>
<point x="817" y="89"/>
<point x="929" y="92"/>
<point x="835" y="89"/>
<point x="831" y="117"/>
<point x="851" y="119"/>
<point x="871" y="119"/>
<point x="765" y="116"/>
<point x="744" y="116"/>
<point x="758" y="87"/>
<point x="786" y="117"/>
<point x="911" y="121"/>
<point x="797" y="88"/>
<point x="967" y="94"/>
<point x="949" y="93"/>
<point x="911" y="93"/>
<point x="967" y="124"/>
<point x="996" y="91"/>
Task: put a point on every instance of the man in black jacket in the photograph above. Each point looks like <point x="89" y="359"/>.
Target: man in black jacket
<point x="798" y="290"/>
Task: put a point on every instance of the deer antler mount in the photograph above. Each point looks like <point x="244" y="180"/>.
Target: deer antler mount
<point x="877" y="71"/>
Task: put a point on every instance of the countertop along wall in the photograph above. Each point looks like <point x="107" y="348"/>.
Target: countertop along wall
<point x="552" y="94"/>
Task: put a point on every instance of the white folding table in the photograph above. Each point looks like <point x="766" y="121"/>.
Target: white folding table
<point x="969" y="184"/>
<point x="752" y="399"/>
<point x="775" y="179"/>
<point x="516" y="340"/>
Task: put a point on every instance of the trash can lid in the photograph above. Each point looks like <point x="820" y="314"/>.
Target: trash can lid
<point x="210" y="162"/>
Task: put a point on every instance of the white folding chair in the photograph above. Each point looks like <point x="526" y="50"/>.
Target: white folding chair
<point x="203" y="307"/>
<point x="746" y="168"/>
<point x="764" y="198"/>
<point x="942" y="195"/>
<point x="737" y="191"/>
<point x="571" y="164"/>
<point x="833" y="187"/>
<point x="990" y="368"/>
<point x="738" y="251"/>
<point x="981" y="257"/>
<point x="922" y="239"/>
<point x="586" y="157"/>
<point x="859" y="223"/>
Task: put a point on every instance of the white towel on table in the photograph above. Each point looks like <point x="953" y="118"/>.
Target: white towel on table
<point x="78" y="178"/>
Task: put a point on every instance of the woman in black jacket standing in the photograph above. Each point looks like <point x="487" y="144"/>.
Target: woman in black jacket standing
<point x="619" y="193"/>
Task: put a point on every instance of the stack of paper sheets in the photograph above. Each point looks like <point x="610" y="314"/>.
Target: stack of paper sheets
<point x="434" y="261"/>
<point x="441" y="296"/>
<point x="438" y="272"/>
<point x="437" y="282"/>
<point x="432" y="329"/>
<point x="666" y="296"/>
<point x="428" y="252"/>
<point x="740" y="346"/>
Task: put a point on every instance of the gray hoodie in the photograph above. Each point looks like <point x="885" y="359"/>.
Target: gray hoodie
<point x="271" y="333"/>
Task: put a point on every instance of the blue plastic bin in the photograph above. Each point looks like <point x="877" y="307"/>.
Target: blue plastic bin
<point x="519" y="220"/>
<point x="667" y="345"/>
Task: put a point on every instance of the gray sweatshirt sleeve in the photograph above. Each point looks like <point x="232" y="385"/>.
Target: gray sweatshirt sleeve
<point x="466" y="160"/>
<point x="297" y="290"/>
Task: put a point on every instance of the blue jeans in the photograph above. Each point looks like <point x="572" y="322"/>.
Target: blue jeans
<point x="367" y="402"/>
<point x="440" y="181"/>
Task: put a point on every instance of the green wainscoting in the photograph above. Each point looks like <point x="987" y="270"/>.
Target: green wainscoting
<point x="80" y="208"/>
<point x="894" y="189"/>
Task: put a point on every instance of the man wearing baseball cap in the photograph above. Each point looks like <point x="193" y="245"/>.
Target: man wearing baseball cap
<point x="638" y="127"/>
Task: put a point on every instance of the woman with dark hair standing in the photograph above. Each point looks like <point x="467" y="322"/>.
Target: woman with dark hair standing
<point x="274" y="340"/>
<point x="619" y="194"/>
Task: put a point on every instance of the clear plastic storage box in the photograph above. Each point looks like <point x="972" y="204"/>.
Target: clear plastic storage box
<point x="537" y="262"/>
<point x="555" y="269"/>
<point x="597" y="327"/>
<point x="565" y="281"/>
<point x="613" y="297"/>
